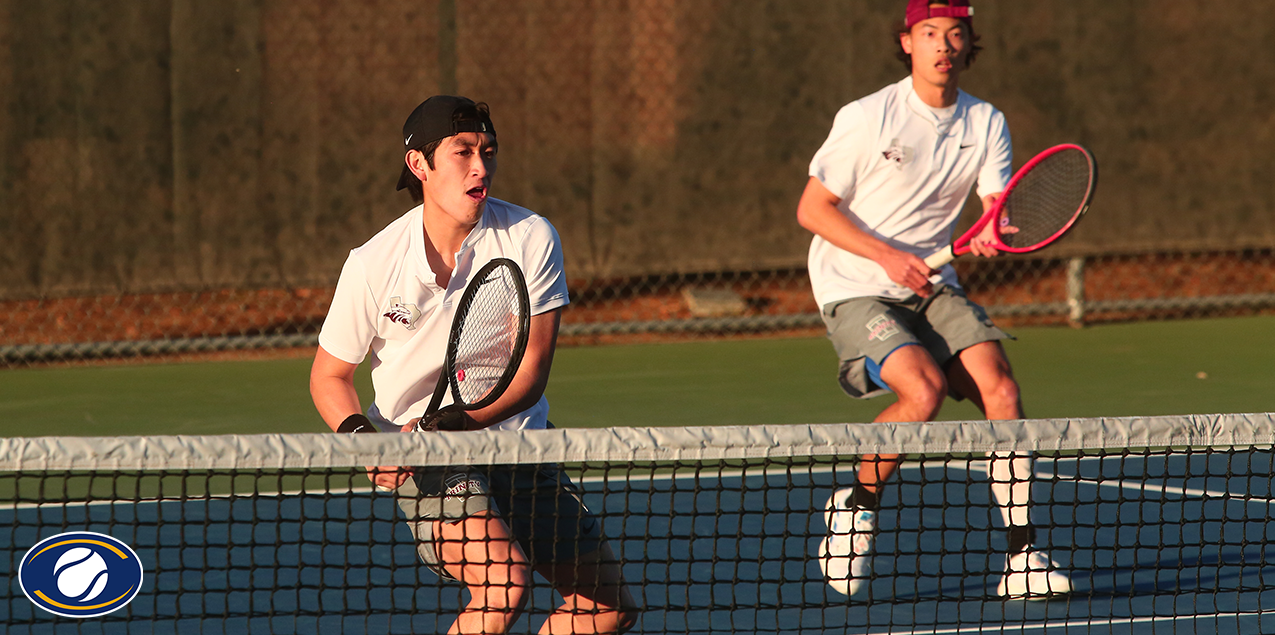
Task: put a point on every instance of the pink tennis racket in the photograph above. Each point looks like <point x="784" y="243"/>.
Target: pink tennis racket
<point x="1040" y="205"/>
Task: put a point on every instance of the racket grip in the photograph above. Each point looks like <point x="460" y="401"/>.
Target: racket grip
<point x="940" y="258"/>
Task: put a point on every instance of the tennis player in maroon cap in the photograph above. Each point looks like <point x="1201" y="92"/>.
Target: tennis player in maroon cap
<point x="885" y="191"/>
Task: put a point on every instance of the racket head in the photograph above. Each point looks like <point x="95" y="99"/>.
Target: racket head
<point x="489" y="335"/>
<point x="1046" y="198"/>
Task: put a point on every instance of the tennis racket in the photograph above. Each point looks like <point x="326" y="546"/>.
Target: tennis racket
<point x="1040" y="205"/>
<point x="485" y="345"/>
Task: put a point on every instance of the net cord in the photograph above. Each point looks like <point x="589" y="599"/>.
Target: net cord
<point x="565" y="445"/>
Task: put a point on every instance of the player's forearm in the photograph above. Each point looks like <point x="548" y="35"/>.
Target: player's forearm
<point x="332" y="388"/>
<point x="335" y="399"/>
<point x="826" y="221"/>
<point x="819" y="211"/>
<point x="529" y="384"/>
<point x="523" y="393"/>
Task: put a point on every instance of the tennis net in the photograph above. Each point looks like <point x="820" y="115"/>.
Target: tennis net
<point x="1161" y="524"/>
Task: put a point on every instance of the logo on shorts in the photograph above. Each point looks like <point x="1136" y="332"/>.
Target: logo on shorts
<point x="900" y="155"/>
<point x="882" y="328"/>
<point x="80" y="574"/>
<point x="405" y="314"/>
<point x="461" y="484"/>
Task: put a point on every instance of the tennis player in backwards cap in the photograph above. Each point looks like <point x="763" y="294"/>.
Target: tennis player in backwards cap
<point x="395" y="297"/>
<point x="885" y="191"/>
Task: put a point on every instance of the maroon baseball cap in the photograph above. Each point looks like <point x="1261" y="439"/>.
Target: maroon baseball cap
<point x="919" y="10"/>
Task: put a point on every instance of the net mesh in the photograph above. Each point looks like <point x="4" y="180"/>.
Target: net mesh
<point x="1048" y="198"/>
<point x="1161" y="524"/>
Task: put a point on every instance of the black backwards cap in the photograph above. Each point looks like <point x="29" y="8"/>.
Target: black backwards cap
<point x="437" y="118"/>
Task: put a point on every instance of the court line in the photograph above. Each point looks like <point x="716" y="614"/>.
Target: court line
<point x="1138" y="486"/>
<point x="1075" y="623"/>
<point x="1165" y="489"/>
<point x="977" y="465"/>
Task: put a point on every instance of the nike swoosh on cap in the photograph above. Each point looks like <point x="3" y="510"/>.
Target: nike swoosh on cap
<point x="409" y="139"/>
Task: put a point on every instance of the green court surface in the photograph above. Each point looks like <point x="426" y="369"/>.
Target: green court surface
<point x="1179" y="367"/>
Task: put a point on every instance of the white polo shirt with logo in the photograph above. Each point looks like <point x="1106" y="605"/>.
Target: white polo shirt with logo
<point x="903" y="171"/>
<point x="388" y="301"/>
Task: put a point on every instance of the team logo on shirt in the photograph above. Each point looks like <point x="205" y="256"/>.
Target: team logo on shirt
<point x="405" y="314"/>
<point x="899" y="154"/>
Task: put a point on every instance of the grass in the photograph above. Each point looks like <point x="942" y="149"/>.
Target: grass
<point x="1153" y="368"/>
<point x="1113" y="370"/>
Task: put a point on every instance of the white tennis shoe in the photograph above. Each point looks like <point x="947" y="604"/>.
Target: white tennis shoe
<point x="1031" y="574"/>
<point x="845" y="555"/>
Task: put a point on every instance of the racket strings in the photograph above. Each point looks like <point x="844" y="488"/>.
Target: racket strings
<point x="1048" y="198"/>
<point x="489" y="336"/>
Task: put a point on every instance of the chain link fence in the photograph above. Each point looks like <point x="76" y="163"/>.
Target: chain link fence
<point x="1067" y="291"/>
<point x="182" y="178"/>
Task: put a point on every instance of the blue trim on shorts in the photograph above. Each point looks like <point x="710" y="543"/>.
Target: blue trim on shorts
<point x="874" y="368"/>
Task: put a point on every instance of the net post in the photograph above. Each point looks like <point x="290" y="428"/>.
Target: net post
<point x="1076" y="291"/>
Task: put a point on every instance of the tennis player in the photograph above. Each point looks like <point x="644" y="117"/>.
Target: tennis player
<point x="395" y="297"/>
<point x="885" y="191"/>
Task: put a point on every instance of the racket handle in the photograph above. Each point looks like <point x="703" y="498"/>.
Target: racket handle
<point x="940" y="258"/>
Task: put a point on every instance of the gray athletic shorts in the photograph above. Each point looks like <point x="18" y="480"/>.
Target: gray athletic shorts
<point x="539" y="503"/>
<point x="871" y="328"/>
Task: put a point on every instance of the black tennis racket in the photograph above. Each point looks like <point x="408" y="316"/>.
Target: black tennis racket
<point x="1041" y="204"/>
<point x="485" y="346"/>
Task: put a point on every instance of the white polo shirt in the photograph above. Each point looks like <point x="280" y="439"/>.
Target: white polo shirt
<point x="903" y="171"/>
<point x="388" y="301"/>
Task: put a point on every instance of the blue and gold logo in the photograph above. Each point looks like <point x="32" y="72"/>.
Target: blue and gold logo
<point x="80" y="574"/>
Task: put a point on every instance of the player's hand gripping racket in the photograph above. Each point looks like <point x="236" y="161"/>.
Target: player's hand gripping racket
<point x="485" y="345"/>
<point x="1040" y="205"/>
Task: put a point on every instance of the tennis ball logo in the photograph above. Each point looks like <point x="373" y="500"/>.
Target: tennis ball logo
<point x="80" y="574"/>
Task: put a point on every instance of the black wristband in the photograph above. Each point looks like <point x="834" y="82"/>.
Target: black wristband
<point x="355" y="424"/>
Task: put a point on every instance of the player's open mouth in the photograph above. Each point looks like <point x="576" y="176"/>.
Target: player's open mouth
<point x="477" y="193"/>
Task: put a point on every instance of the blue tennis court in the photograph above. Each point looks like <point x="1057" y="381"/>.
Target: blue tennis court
<point x="1179" y="546"/>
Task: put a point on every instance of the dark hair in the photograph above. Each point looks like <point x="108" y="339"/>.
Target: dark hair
<point x="478" y="112"/>
<point x="901" y="29"/>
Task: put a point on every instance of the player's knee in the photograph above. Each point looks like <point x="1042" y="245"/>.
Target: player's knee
<point x="1003" y="395"/>
<point x="509" y="595"/>
<point x="925" y="396"/>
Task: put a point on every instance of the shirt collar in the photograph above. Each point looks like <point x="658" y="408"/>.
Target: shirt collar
<point x="922" y="110"/>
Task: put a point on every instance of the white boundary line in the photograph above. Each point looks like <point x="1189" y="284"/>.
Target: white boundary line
<point x="975" y="465"/>
<point x="1137" y="486"/>
<point x="1074" y="623"/>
